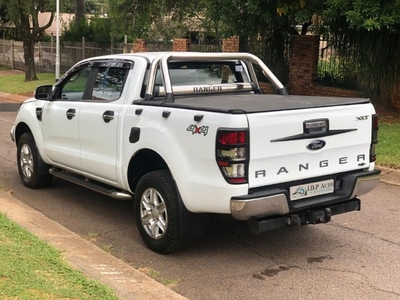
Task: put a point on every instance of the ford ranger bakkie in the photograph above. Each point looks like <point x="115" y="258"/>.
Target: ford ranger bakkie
<point x="189" y="135"/>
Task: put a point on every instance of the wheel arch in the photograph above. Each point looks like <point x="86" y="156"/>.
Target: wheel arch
<point x="145" y="161"/>
<point x="23" y="127"/>
<point x="20" y="129"/>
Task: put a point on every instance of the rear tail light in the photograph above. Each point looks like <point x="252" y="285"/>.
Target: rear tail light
<point x="374" y="138"/>
<point x="232" y="150"/>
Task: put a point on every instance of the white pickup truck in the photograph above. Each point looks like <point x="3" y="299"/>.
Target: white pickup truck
<point x="188" y="135"/>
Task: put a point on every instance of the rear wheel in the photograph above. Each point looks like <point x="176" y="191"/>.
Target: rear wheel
<point x="33" y="171"/>
<point x="157" y="212"/>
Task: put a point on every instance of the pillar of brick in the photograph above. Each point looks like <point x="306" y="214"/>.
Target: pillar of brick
<point x="231" y="44"/>
<point x="303" y="63"/>
<point x="139" y="46"/>
<point x="181" y="45"/>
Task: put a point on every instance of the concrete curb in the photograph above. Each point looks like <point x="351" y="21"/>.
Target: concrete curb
<point x="6" y="97"/>
<point x="390" y="176"/>
<point x="125" y="280"/>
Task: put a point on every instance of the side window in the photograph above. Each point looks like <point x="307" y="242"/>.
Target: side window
<point x="108" y="83"/>
<point x="75" y="85"/>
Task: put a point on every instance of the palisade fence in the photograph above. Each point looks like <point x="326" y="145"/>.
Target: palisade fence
<point x="12" y="54"/>
<point x="276" y="59"/>
<point x="333" y="70"/>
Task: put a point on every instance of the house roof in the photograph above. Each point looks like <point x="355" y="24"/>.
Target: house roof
<point x="43" y="19"/>
<point x="65" y="19"/>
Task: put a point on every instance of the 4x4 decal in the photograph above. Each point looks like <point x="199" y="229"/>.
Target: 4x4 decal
<point x="194" y="129"/>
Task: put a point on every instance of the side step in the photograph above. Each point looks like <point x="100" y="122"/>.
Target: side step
<point x="94" y="186"/>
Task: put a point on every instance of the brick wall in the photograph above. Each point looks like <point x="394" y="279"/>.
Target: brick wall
<point x="182" y="45"/>
<point x="303" y="70"/>
<point x="267" y="88"/>
<point x="320" y="90"/>
<point x="139" y="46"/>
<point x="303" y="64"/>
<point x="231" y="44"/>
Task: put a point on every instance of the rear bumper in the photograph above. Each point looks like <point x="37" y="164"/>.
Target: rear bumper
<point x="276" y="202"/>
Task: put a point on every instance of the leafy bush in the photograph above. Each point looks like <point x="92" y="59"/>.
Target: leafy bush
<point x="95" y="29"/>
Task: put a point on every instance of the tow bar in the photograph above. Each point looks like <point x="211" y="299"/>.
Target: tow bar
<point x="310" y="216"/>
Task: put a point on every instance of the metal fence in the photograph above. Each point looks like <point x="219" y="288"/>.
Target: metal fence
<point x="156" y="46"/>
<point x="12" y="54"/>
<point x="209" y="46"/>
<point x="277" y="59"/>
<point x="334" y="69"/>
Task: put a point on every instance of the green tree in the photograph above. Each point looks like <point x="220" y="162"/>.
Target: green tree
<point x="367" y="35"/>
<point x="94" y="7"/>
<point x="370" y="15"/>
<point x="24" y="14"/>
<point x="135" y="18"/>
<point x="95" y="29"/>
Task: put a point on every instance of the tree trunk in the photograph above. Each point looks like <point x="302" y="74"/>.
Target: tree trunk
<point x="28" y="45"/>
<point x="30" y="72"/>
<point x="80" y="10"/>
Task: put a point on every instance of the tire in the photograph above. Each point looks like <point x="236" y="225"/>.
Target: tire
<point x="33" y="171"/>
<point x="157" y="212"/>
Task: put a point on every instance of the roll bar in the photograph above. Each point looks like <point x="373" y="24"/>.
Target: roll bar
<point x="249" y="59"/>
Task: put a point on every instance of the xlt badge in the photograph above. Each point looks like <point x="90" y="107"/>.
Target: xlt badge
<point x="362" y="118"/>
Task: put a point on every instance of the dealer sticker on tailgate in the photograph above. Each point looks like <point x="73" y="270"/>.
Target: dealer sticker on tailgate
<point x="311" y="189"/>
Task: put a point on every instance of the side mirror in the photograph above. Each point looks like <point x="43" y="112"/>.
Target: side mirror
<point x="44" y="92"/>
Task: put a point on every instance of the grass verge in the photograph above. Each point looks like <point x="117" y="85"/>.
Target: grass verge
<point x="388" y="147"/>
<point x="31" y="269"/>
<point x="15" y="83"/>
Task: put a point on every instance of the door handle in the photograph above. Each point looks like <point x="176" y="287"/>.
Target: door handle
<point x="70" y="113"/>
<point x="108" y="115"/>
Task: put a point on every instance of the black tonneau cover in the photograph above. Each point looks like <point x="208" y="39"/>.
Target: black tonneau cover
<point x="252" y="103"/>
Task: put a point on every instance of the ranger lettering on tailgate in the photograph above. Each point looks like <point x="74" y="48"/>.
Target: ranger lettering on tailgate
<point x="306" y="166"/>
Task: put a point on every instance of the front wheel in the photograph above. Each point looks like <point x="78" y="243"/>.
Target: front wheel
<point x="157" y="212"/>
<point x="32" y="169"/>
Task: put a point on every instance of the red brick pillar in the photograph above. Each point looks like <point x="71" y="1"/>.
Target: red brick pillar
<point x="139" y="46"/>
<point x="231" y="44"/>
<point x="303" y="63"/>
<point x="181" y="45"/>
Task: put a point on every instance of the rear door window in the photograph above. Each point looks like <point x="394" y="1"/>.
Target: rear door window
<point x="109" y="83"/>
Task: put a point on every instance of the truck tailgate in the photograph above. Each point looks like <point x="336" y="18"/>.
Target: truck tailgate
<point x="292" y="145"/>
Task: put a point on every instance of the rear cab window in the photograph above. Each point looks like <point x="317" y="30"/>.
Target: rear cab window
<point x="204" y="73"/>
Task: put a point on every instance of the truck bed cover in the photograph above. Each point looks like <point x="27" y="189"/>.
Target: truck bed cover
<point x="252" y="103"/>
